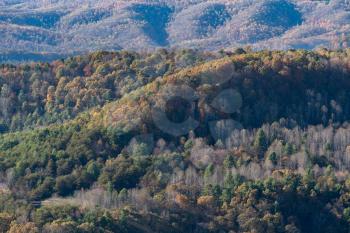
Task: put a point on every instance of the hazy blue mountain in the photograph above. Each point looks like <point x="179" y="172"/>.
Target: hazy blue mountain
<point x="57" y="26"/>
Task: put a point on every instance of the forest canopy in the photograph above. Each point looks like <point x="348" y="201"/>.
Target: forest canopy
<point x="84" y="146"/>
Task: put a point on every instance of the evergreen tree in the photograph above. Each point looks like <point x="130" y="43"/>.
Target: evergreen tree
<point x="260" y="142"/>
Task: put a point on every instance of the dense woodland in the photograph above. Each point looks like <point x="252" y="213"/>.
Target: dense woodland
<point x="37" y="94"/>
<point x="80" y="151"/>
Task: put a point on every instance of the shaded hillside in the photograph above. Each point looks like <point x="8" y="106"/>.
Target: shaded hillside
<point x="272" y="85"/>
<point x="156" y="19"/>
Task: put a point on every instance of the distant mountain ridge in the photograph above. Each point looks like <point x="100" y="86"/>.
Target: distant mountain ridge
<point x="56" y="26"/>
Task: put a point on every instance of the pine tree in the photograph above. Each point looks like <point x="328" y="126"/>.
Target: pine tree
<point x="260" y="142"/>
<point x="229" y="162"/>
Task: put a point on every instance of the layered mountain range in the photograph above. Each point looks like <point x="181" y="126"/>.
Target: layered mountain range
<point x="59" y="26"/>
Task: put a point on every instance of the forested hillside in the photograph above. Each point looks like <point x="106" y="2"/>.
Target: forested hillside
<point x="177" y="141"/>
<point x="37" y="94"/>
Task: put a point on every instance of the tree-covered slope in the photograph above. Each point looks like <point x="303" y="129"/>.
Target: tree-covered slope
<point x="38" y="94"/>
<point x="250" y="142"/>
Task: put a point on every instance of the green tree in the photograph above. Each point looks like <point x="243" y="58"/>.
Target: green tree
<point x="229" y="161"/>
<point x="273" y="158"/>
<point x="260" y="142"/>
<point x="65" y="185"/>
